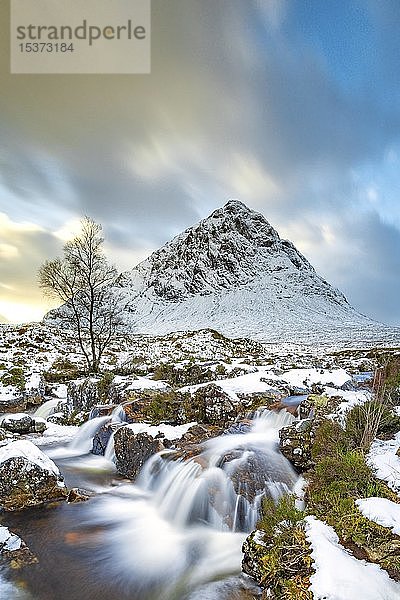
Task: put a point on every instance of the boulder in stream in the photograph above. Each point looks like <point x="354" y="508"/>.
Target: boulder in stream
<point x="211" y="405"/>
<point x="14" y="551"/>
<point x="133" y="449"/>
<point x="28" y="477"/>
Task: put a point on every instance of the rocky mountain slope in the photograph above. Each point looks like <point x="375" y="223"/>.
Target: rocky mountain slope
<point x="232" y="272"/>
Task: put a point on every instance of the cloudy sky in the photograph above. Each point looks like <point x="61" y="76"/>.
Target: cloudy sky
<point x="291" y="106"/>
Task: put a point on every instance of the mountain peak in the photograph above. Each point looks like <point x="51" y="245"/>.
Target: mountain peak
<point x="231" y="249"/>
<point x="235" y="206"/>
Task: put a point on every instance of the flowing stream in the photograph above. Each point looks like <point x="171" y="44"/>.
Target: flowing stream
<point x="175" y="534"/>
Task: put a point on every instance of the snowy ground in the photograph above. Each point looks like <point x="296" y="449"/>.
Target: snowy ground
<point x="385" y="463"/>
<point x="381" y="511"/>
<point x="340" y="576"/>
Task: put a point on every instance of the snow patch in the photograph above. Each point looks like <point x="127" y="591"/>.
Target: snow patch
<point x="339" y="575"/>
<point x="381" y="511"/>
<point x="171" y="432"/>
<point x="27" y="450"/>
<point x="384" y="462"/>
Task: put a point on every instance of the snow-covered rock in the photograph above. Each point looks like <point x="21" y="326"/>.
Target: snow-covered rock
<point x="12" y="399"/>
<point x="22" y="423"/>
<point x="34" y="389"/>
<point x="14" y="550"/>
<point x="135" y="443"/>
<point x="27" y="477"/>
<point x="381" y="511"/>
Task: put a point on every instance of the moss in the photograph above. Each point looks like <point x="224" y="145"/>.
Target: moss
<point x="62" y="370"/>
<point x="284" y="564"/>
<point x="104" y="385"/>
<point x="15" y="377"/>
<point x="165" y="406"/>
<point x="339" y="478"/>
<point x="318" y="400"/>
<point x="190" y="374"/>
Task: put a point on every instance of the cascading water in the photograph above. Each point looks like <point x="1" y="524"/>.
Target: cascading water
<point x="82" y="442"/>
<point x="183" y="522"/>
<point x="220" y="487"/>
<point x="47" y="409"/>
<point x="174" y="534"/>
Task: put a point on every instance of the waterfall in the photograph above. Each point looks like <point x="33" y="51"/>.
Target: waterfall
<point x="109" y="454"/>
<point x="47" y="409"/>
<point x="187" y="519"/>
<point x="82" y="442"/>
<point x="224" y="485"/>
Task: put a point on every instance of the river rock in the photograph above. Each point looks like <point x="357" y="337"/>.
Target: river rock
<point x="22" y="423"/>
<point x="83" y="394"/>
<point x="254" y="400"/>
<point x="295" y="390"/>
<point x="254" y="550"/>
<point x="76" y="495"/>
<point x="12" y="402"/>
<point x="191" y="443"/>
<point x="101" y="439"/>
<point x="319" y="405"/>
<point x="3" y="434"/>
<point x="18" y="423"/>
<point x="14" y="550"/>
<point x="39" y="424"/>
<point x="295" y="444"/>
<point x="101" y="410"/>
<point x="28" y="477"/>
<point x="35" y="390"/>
<point x="132" y="450"/>
<point x="211" y="405"/>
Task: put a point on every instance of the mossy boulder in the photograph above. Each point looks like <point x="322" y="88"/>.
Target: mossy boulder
<point x="212" y="406"/>
<point x="28" y="477"/>
<point x="295" y="443"/>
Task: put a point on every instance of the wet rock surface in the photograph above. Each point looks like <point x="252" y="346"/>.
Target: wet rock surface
<point x="14" y="551"/>
<point x="28" y="477"/>
<point x="101" y="439"/>
<point x="133" y="450"/>
<point x="102" y="410"/>
<point x="78" y="495"/>
<point x="191" y="443"/>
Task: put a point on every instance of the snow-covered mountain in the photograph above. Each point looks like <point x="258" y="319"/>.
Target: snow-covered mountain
<point x="233" y="273"/>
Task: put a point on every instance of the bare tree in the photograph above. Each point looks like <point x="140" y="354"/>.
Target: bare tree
<point x="82" y="279"/>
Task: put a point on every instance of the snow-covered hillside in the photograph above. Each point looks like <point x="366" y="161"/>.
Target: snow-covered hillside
<point x="232" y="272"/>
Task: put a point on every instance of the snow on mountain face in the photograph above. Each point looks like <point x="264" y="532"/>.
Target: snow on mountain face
<point x="232" y="272"/>
<point x="230" y="248"/>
